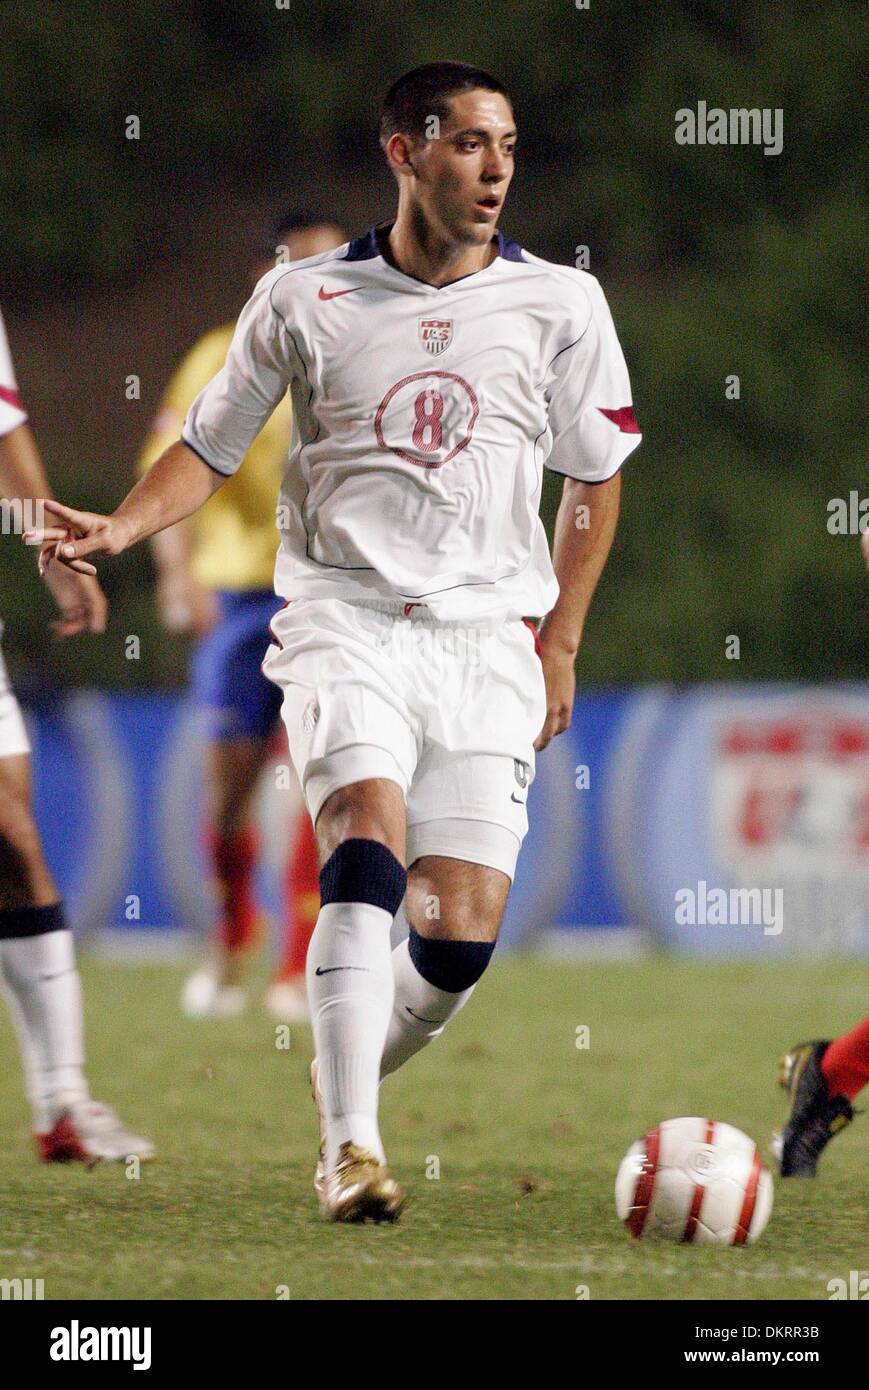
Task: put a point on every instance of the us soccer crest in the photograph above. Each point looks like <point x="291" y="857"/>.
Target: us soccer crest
<point x="436" y="335"/>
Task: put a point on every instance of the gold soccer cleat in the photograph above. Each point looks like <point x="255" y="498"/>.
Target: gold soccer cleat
<point x="320" y="1170"/>
<point x="359" y="1188"/>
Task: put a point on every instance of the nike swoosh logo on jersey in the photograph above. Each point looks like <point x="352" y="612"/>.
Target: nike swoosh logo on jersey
<point x="520" y="801"/>
<point x="330" y="969"/>
<point x="336" y="294"/>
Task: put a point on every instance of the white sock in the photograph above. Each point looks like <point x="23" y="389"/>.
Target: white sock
<point x="420" y="1011"/>
<point x="44" y="992"/>
<point x="349" y="975"/>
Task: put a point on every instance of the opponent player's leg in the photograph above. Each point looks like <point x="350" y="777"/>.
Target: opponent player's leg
<point x="845" y="1063"/>
<point x="287" y="996"/>
<point x="234" y="765"/>
<point x="453" y="910"/>
<point x="37" y="962"/>
<point x="822" y="1079"/>
<point x="361" y="836"/>
<point x="240" y="707"/>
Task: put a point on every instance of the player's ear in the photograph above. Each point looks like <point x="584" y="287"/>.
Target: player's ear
<point x="399" y="153"/>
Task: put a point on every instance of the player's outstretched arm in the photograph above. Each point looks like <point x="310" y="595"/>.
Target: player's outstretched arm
<point x="177" y="485"/>
<point x="584" y="530"/>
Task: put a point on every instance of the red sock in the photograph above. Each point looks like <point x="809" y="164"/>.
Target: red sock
<point x="845" y="1066"/>
<point x="301" y="899"/>
<point x="233" y="858"/>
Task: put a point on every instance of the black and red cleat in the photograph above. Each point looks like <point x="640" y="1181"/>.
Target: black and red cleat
<point x="815" y="1115"/>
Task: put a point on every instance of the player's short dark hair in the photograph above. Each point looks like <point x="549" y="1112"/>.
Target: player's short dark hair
<point x="299" y="220"/>
<point x="425" y="92"/>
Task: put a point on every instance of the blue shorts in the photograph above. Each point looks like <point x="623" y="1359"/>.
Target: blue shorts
<point x="226" y="678"/>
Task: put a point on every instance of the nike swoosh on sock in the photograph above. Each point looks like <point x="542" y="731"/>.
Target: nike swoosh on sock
<point x="420" y="1017"/>
<point x="330" y="969"/>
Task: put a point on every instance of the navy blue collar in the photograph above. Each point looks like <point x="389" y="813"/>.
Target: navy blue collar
<point x="366" y="247"/>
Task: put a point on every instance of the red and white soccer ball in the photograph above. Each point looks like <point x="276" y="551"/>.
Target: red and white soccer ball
<point x="694" y="1180"/>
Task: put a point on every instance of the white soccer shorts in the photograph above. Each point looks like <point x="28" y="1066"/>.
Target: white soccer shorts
<point x="448" y="710"/>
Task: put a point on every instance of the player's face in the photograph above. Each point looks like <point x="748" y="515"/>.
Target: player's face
<point x="462" y="176"/>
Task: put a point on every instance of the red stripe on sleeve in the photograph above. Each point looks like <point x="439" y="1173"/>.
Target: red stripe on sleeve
<point x="623" y="417"/>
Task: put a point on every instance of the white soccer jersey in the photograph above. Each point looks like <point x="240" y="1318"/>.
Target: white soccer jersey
<point x="423" y="418"/>
<point x="12" y="412"/>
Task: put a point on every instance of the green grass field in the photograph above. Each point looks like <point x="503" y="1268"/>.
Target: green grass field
<point x="528" y="1131"/>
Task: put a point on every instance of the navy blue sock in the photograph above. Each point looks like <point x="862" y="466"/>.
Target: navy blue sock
<point x="18" y="922"/>
<point x="363" y="871"/>
<point x="452" y="966"/>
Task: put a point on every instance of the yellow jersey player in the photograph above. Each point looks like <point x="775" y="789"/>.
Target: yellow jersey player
<point x="215" y="581"/>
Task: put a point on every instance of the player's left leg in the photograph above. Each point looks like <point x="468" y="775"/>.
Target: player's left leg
<point x="453" y="910"/>
<point x="466" y="820"/>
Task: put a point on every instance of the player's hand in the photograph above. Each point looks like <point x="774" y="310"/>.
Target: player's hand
<point x="74" y="534"/>
<point x="864" y="545"/>
<point x="185" y="604"/>
<point x="560" y="677"/>
<point x="81" y="601"/>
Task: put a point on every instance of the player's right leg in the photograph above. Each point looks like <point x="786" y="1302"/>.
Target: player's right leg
<point x="354" y="744"/>
<point x="360" y="831"/>
<point x="39" y="974"/>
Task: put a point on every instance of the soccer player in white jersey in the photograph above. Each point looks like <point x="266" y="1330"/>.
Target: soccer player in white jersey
<point x="37" y="960"/>
<point x="435" y="368"/>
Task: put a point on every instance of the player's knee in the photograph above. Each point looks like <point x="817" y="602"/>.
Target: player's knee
<point x="363" y="871"/>
<point x="453" y="915"/>
<point x="369" y="810"/>
<point x="450" y="965"/>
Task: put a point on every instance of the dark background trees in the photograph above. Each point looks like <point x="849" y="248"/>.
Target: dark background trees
<point x="717" y="261"/>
